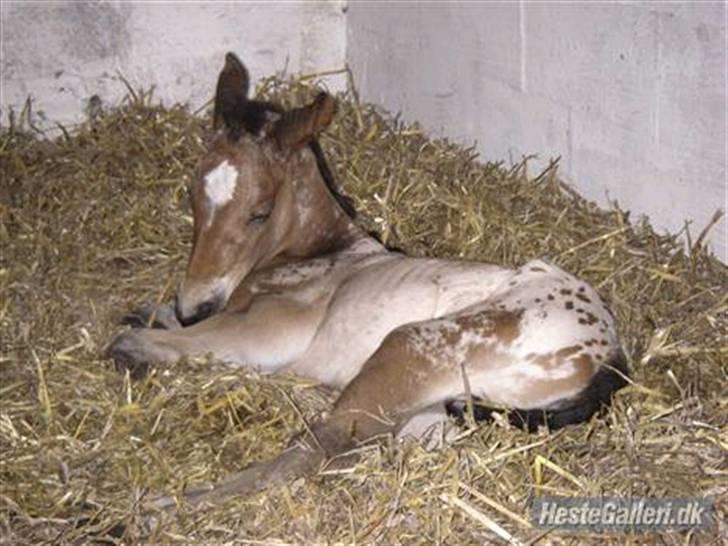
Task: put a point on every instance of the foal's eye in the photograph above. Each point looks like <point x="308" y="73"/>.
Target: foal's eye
<point x="258" y="217"/>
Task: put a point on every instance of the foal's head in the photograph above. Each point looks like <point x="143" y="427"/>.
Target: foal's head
<point x="258" y="193"/>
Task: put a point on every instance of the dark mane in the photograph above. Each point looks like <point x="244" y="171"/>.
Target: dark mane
<point x="323" y="165"/>
<point x="252" y="118"/>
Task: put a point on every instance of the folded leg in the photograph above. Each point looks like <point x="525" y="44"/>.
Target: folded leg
<point x="423" y="364"/>
<point x="268" y="336"/>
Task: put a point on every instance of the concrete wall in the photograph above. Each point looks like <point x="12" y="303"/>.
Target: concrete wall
<point x="62" y="53"/>
<point x="630" y="95"/>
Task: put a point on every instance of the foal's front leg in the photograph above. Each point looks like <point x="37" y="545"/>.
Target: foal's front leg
<point x="268" y="336"/>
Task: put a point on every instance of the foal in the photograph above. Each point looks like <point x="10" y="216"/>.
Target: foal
<point x="281" y="279"/>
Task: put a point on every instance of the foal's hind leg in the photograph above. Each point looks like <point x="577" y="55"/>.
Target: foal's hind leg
<point x="416" y="366"/>
<point x="398" y="381"/>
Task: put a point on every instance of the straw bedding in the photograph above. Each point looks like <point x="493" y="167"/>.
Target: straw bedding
<point x="96" y="222"/>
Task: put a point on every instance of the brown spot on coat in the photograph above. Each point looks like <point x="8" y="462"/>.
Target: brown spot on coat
<point x="507" y="326"/>
<point x="568" y="351"/>
<point x="569" y="305"/>
<point x="582" y="297"/>
<point x="545" y="361"/>
<point x="503" y="325"/>
<point x="584" y="366"/>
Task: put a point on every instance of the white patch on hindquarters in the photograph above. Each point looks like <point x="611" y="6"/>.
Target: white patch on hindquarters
<point x="220" y="186"/>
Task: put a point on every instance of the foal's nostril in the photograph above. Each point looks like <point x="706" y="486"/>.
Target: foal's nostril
<point x="203" y="311"/>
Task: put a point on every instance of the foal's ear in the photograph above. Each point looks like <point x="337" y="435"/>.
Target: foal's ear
<point x="231" y="95"/>
<point x="298" y="127"/>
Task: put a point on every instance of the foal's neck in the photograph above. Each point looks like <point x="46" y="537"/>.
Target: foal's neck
<point x="321" y="225"/>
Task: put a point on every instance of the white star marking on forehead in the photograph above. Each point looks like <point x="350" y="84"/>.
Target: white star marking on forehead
<point x="220" y="184"/>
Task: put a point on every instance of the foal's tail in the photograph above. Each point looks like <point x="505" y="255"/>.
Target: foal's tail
<point x="594" y="398"/>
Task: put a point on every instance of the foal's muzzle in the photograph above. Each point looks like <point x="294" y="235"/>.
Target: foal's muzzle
<point x="201" y="312"/>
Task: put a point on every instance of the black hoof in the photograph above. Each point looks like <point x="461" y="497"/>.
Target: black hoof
<point x="135" y="319"/>
<point x="146" y="316"/>
<point x="124" y="359"/>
